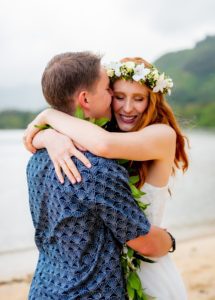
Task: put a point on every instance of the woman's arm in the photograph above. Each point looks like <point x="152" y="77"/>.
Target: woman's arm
<point x="60" y="149"/>
<point x="153" y="142"/>
<point x="156" y="243"/>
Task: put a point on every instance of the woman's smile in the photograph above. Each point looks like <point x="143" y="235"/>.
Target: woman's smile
<point x="127" y="119"/>
<point x="130" y="100"/>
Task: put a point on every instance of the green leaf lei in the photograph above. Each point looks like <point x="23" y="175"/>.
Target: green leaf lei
<point x="130" y="259"/>
<point x="43" y="127"/>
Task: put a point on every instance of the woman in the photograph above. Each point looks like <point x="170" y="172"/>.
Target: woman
<point x="150" y="137"/>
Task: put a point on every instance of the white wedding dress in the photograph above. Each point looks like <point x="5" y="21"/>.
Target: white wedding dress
<point x="161" y="279"/>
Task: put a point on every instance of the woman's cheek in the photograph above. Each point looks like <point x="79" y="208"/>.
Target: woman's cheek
<point x="116" y="105"/>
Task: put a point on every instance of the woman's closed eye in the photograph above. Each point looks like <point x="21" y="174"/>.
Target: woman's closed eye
<point x="139" y="99"/>
<point x="119" y="97"/>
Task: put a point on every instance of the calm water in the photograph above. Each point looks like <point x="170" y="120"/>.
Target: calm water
<point x="190" y="211"/>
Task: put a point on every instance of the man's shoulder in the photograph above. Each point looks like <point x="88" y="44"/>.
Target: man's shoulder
<point x="39" y="162"/>
<point x="98" y="160"/>
<point x="40" y="157"/>
<point x="106" y="167"/>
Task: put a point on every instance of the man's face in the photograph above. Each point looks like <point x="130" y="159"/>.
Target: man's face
<point x="99" y="99"/>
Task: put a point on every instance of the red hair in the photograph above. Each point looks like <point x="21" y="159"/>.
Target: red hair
<point x="158" y="111"/>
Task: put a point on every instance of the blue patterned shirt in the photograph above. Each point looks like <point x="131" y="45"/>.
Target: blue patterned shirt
<point x="80" y="229"/>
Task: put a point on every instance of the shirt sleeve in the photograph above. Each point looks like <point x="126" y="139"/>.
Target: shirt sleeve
<point x="115" y="204"/>
<point x="104" y="190"/>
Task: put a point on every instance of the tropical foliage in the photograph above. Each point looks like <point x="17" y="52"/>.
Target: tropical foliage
<point x="193" y="74"/>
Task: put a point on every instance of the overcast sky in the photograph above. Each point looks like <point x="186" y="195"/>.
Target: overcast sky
<point x="32" y="31"/>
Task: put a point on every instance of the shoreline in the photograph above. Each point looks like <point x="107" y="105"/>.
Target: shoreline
<point x="195" y="259"/>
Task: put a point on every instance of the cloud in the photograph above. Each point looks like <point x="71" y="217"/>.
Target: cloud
<point x="31" y="32"/>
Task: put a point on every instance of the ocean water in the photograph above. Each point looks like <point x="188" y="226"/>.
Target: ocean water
<point x="190" y="212"/>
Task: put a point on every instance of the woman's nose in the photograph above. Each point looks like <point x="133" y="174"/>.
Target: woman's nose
<point x="127" y="107"/>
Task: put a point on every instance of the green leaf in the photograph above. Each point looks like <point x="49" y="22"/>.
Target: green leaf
<point x="92" y="120"/>
<point x="131" y="169"/>
<point x="135" y="192"/>
<point x="130" y="252"/>
<point x="130" y="292"/>
<point x="143" y="258"/>
<point x="79" y="113"/>
<point x="122" y="161"/>
<point x="142" y="193"/>
<point x="142" y="205"/>
<point x="43" y="127"/>
<point x="140" y="293"/>
<point x="123" y="264"/>
<point x="136" y="262"/>
<point x="145" y="297"/>
<point x="101" y="122"/>
<point x="134" y="281"/>
<point x="134" y="179"/>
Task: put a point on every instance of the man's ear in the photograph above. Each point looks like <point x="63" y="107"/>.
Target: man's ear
<point x="82" y="100"/>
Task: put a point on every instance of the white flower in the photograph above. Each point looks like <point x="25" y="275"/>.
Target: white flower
<point x="117" y="70"/>
<point x="155" y="74"/>
<point x="169" y="83"/>
<point x="113" y="68"/>
<point x="140" y="72"/>
<point x="129" y="64"/>
<point x="139" y="68"/>
<point x="160" y="84"/>
<point x="110" y="72"/>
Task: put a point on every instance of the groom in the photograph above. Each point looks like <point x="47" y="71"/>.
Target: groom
<point x="80" y="229"/>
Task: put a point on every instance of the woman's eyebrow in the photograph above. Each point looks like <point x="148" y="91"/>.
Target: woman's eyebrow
<point x="118" y="92"/>
<point x="140" y="94"/>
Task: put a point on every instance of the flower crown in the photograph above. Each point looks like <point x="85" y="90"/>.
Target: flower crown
<point x="138" y="72"/>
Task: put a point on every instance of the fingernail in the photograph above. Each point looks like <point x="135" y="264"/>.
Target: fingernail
<point x="89" y="165"/>
<point x="78" y="179"/>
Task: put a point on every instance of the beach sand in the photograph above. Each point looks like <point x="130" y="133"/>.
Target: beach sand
<point x="195" y="259"/>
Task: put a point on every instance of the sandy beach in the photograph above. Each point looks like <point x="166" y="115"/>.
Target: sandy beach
<point x="195" y="258"/>
<point x="196" y="261"/>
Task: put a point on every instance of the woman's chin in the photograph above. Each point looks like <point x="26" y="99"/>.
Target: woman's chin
<point x="125" y="127"/>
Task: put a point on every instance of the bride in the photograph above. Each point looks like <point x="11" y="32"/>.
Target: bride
<point x="146" y="133"/>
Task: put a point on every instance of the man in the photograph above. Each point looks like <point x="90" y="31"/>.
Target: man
<point x="80" y="229"/>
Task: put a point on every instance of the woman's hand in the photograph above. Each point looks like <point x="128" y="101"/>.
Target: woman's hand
<point x="31" y="131"/>
<point x="60" y="149"/>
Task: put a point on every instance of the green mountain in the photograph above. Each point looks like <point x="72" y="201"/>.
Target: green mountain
<point x="193" y="95"/>
<point x="193" y="74"/>
<point x="12" y="119"/>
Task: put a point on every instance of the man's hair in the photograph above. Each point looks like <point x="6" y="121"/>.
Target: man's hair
<point x="66" y="74"/>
